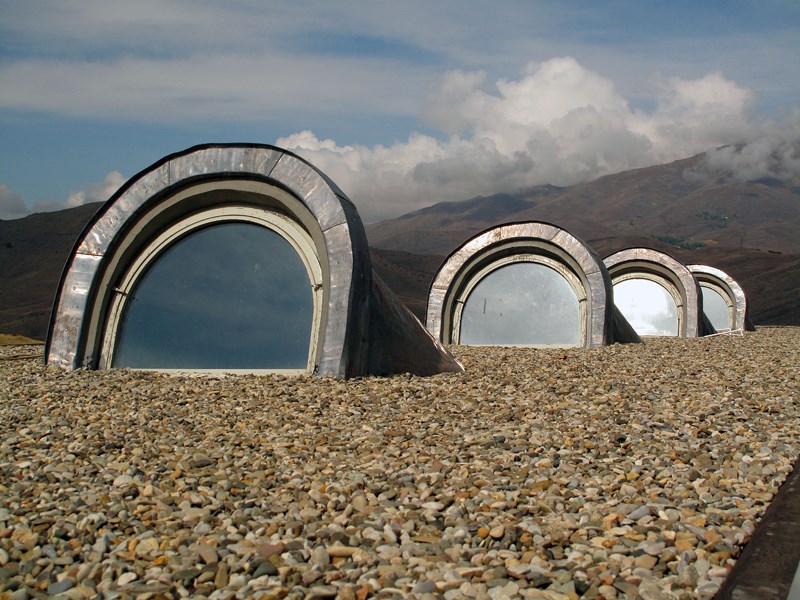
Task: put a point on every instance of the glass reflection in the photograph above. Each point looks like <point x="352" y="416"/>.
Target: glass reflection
<point x="232" y="295"/>
<point x="648" y="307"/>
<point x="522" y="304"/>
<point x="716" y="309"/>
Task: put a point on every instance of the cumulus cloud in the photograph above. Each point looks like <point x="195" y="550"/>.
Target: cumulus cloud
<point x="559" y="124"/>
<point x="13" y="207"/>
<point x="96" y="192"/>
<point x="11" y="204"/>
<point x="695" y="115"/>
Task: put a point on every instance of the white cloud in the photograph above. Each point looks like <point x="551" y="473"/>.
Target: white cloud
<point x="184" y="59"/>
<point x="773" y="154"/>
<point x="695" y="115"/>
<point x="11" y="204"/>
<point x="96" y="192"/>
<point x="559" y="123"/>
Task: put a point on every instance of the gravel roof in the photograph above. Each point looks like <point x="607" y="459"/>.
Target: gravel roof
<point x="536" y="473"/>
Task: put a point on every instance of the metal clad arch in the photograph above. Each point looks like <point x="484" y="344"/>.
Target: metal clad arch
<point x="523" y="238"/>
<point x="736" y="295"/>
<point x="343" y="248"/>
<point x="654" y="263"/>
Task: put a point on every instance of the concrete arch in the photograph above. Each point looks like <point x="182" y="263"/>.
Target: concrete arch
<point x="599" y="324"/>
<point x="362" y="328"/>
<point x="668" y="272"/>
<point x="723" y="282"/>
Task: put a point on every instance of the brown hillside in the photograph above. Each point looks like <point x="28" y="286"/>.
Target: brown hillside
<point x="33" y="251"/>
<point x="677" y="201"/>
<point x="441" y="228"/>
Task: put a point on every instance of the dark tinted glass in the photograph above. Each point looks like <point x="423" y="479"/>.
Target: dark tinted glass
<point x="522" y="304"/>
<point x="648" y="307"/>
<point x="233" y="295"/>
<point x="716" y="309"/>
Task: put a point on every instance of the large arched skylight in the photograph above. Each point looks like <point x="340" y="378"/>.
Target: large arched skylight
<point x="233" y="257"/>
<point x="230" y="295"/>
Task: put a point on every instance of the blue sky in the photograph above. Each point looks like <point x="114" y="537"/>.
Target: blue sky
<point x="402" y="104"/>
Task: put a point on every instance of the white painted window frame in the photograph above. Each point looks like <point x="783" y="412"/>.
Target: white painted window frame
<point x="524" y="257"/>
<point x="665" y="283"/>
<point x="286" y="227"/>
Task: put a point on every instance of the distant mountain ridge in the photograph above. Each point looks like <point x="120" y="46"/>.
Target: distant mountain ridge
<point x="749" y="229"/>
<point x="677" y="202"/>
<point x="33" y="252"/>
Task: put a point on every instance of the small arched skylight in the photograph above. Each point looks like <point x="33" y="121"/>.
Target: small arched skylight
<point x="526" y="284"/>
<point x="724" y="301"/>
<point x="656" y="294"/>
<point x="717" y="308"/>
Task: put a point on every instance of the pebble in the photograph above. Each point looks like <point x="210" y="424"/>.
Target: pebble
<point x="207" y="553"/>
<point x="638" y="513"/>
<point x="586" y="473"/>
<point x="59" y="587"/>
<point x="126" y="578"/>
<point x="320" y="557"/>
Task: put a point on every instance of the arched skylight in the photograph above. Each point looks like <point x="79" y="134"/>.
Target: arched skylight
<point x="724" y="301"/>
<point x="647" y="306"/>
<point x="716" y="309"/>
<point x="232" y="295"/>
<point x="522" y="303"/>
<point x="656" y="293"/>
<point x="233" y="257"/>
<point x="528" y="283"/>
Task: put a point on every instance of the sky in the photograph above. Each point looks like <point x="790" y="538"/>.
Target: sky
<point x="402" y="104"/>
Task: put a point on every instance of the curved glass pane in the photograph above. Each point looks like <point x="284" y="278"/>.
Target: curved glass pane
<point x="647" y="306"/>
<point x="716" y="309"/>
<point x="233" y="295"/>
<point x="522" y="303"/>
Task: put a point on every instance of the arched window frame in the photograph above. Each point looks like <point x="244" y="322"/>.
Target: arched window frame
<point x="732" y="292"/>
<point x="645" y="262"/>
<point x="532" y="237"/>
<point x="523" y="257"/>
<point x="363" y="330"/>
<point x="200" y="204"/>
<point x="664" y="282"/>
<point x="286" y="227"/>
<point x="727" y="297"/>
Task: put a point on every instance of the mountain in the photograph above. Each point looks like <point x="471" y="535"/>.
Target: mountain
<point x="750" y="229"/>
<point x="33" y="252"/>
<point x="679" y="202"/>
<point x="441" y="228"/>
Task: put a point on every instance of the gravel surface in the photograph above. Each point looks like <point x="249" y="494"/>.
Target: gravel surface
<point x="634" y="471"/>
